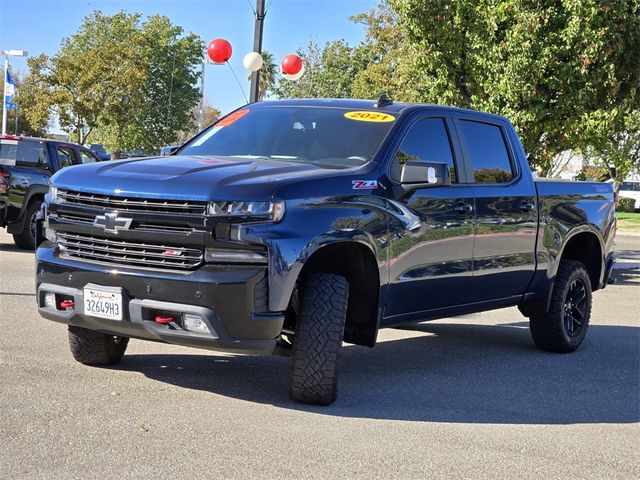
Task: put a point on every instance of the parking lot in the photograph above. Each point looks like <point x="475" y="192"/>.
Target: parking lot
<point x="468" y="397"/>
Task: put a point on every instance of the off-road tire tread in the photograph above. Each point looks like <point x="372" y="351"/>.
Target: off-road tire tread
<point x="23" y="239"/>
<point x="95" y="348"/>
<point x="547" y="330"/>
<point x="318" y="339"/>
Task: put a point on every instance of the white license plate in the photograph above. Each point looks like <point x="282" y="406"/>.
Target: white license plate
<point x="103" y="303"/>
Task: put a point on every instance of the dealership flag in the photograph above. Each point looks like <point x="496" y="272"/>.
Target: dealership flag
<point x="10" y="92"/>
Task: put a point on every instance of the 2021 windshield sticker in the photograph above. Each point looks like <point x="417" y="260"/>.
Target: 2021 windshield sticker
<point x="364" y="184"/>
<point x="364" y="116"/>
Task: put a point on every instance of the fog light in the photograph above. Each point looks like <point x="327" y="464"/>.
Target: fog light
<point x="194" y="323"/>
<point x="50" y="300"/>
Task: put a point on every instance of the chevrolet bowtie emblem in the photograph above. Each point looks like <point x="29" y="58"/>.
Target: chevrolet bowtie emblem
<point x="111" y="222"/>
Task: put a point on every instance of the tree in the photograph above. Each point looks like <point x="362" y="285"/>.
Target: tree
<point x="266" y="75"/>
<point x="209" y="115"/>
<point x="122" y="81"/>
<point x="329" y="71"/>
<point x="32" y="119"/>
<point x="617" y="146"/>
<point x="95" y="76"/>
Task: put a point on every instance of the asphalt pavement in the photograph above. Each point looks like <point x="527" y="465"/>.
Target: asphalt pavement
<point x="466" y="397"/>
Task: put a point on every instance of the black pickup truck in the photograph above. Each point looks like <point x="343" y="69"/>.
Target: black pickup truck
<point x="297" y="225"/>
<point x="26" y="164"/>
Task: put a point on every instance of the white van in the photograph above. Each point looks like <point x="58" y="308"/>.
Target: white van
<point x="631" y="189"/>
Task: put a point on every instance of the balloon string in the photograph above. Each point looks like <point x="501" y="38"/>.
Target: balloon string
<point x="238" y="82"/>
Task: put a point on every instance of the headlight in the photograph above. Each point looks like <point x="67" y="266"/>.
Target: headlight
<point x="53" y="193"/>
<point x="250" y="209"/>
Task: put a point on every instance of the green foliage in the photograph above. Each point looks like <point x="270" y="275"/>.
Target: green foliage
<point x="122" y="81"/>
<point x="329" y="72"/>
<point x="627" y="205"/>
<point x="550" y="66"/>
<point x="32" y="119"/>
<point x="615" y="141"/>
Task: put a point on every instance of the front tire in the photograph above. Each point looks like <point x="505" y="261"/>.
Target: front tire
<point x="27" y="238"/>
<point x="94" y="348"/>
<point x="319" y="330"/>
<point x="563" y="328"/>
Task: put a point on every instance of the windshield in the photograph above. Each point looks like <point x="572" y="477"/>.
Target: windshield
<point x="324" y="136"/>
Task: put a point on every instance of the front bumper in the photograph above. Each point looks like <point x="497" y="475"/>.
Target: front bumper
<point x="222" y="295"/>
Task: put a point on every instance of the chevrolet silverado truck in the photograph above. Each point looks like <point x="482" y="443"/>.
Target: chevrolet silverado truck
<point x="292" y="226"/>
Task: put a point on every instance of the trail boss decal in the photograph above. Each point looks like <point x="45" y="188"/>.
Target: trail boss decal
<point x="363" y="116"/>
<point x="364" y="184"/>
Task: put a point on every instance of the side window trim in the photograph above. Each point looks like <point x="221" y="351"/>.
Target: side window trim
<point x="459" y="162"/>
<point x="515" y="168"/>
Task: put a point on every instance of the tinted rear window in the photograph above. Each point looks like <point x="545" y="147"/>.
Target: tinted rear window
<point x="487" y="151"/>
<point x="23" y="153"/>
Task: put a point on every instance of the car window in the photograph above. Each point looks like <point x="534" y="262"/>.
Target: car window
<point x="324" y="136"/>
<point x="66" y="158"/>
<point x="426" y="140"/>
<point x="87" y="157"/>
<point x="487" y="151"/>
<point x="630" y="186"/>
<point x="23" y="153"/>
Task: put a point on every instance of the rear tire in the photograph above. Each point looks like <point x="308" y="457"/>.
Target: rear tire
<point x="27" y="238"/>
<point x="563" y="328"/>
<point x="94" y="348"/>
<point x="318" y="337"/>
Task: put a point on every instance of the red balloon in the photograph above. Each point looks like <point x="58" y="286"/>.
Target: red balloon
<point x="291" y="64"/>
<point x="219" y="50"/>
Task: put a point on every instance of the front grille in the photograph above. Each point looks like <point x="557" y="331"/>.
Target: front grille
<point x="136" y="225"/>
<point x="149" y="205"/>
<point x="132" y="253"/>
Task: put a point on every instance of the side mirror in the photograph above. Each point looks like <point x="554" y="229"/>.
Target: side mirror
<point x="419" y="174"/>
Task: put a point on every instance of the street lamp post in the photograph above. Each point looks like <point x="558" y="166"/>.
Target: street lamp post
<point x="7" y="54"/>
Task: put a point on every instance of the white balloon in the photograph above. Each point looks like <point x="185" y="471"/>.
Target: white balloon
<point x="252" y="61"/>
<point x="295" y="76"/>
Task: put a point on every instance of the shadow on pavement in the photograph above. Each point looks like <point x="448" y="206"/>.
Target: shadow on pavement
<point x="452" y="373"/>
<point x="10" y="247"/>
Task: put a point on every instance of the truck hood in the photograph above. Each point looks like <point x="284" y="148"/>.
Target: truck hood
<point x="187" y="177"/>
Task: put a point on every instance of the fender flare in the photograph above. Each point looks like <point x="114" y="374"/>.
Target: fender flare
<point x="281" y="286"/>
<point x="32" y="192"/>
<point x="588" y="228"/>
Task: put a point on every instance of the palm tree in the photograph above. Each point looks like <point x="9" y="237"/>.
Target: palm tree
<point x="266" y="75"/>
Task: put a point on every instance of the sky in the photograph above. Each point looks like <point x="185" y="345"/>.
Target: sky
<point x="39" y="27"/>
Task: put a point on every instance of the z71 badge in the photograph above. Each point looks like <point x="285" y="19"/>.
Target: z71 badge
<point x="364" y="184"/>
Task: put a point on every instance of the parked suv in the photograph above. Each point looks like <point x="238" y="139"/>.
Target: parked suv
<point x="25" y="167"/>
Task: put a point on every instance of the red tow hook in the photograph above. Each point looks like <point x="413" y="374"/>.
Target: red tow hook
<point x="164" y="320"/>
<point x="67" y="304"/>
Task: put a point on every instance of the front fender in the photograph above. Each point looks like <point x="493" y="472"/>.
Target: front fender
<point x="311" y="225"/>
